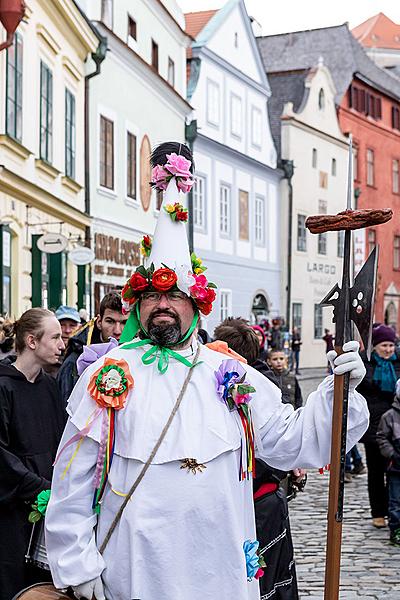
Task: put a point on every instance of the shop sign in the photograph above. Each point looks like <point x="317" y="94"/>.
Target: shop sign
<point x="81" y="255"/>
<point x="321" y="268"/>
<point x="115" y="250"/>
<point x="52" y="243"/>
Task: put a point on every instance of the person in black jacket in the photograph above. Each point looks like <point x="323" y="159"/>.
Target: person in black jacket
<point x="32" y="418"/>
<point x="109" y="322"/>
<point x="378" y="388"/>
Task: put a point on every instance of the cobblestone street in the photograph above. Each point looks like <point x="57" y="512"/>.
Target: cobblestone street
<point x="370" y="565"/>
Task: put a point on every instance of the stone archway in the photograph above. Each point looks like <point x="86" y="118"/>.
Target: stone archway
<point x="260" y="307"/>
<point x="391" y="315"/>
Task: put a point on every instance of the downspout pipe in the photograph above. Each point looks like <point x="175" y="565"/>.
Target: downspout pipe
<point x="98" y="58"/>
<point x="191" y="134"/>
<point x="288" y="170"/>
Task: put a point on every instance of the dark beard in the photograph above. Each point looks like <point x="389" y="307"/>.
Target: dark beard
<point x="164" y="335"/>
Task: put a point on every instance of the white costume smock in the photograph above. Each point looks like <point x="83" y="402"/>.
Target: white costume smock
<point x="181" y="535"/>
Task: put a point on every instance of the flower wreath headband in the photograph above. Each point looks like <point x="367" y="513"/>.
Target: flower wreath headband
<point x="193" y="283"/>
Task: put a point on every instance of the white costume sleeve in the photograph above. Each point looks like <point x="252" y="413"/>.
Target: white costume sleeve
<point x="70" y="520"/>
<point x="302" y="438"/>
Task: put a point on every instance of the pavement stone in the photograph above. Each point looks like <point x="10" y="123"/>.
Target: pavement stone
<point x="370" y="566"/>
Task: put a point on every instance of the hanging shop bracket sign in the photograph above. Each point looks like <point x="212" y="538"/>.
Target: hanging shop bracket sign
<point x="52" y="243"/>
<point x="82" y="255"/>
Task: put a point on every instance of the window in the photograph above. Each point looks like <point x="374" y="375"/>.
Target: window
<point x="317" y="321"/>
<point x="199" y="203"/>
<point x="314" y="158"/>
<point x="131" y="166"/>
<point x="322" y="243"/>
<point x="333" y="167"/>
<point x="321" y="99"/>
<point x="396" y="118"/>
<point x="371" y="240"/>
<point x="5" y="270"/>
<point x="259" y="220"/>
<point x="370" y="167"/>
<point x="256" y="128"/>
<point x="301" y="233"/>
<point x="46" y="113"/>
<point x="154" y="55"/>
<point x="365" y="102"/>
<point x="132" y="28"/>
<point x="159" y="199"/>
<point x="225" y="304"/>
<point x="340" y="244"/>
<point x="225" y="210"/>
<point x="171" y="72"/>
<point x="69" y="134"/>
<point x="396" y="252"/>
<point x="236" y="40"/>
<point x="14" y="89"/>
<point x="395" y="176"/>
<point x="236" y="115"/>
<point x="355" y="163"/>
<point x="212" y="102"/>
<point x="297" y="312"/>
<point x="106" y="153"/>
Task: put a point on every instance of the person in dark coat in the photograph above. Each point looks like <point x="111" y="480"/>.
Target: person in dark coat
<point x="388" y="438"/>
<point x="270" y="503"/>
<point x="378" y="388"/>
<point x="32" y="419"/>
<point x="287" y="382"/>
<point x="296" y="345"/>
<point x="109" y="323"/>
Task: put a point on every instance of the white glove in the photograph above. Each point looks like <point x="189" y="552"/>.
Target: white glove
<point x="90" y="589"/>
<point x="348" y="362"/>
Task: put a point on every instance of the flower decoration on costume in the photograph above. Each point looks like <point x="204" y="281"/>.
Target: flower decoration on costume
<point x="176" y="166"/>
<point x="177" y="212"/>
<point x="164" y="279"/>
<point x="233" y="389"/>
<point x="145" y="246"/>
<point x="39" y="507"/>
<point x="110" y="385"/>
<point x="197" y="264"/>
<point x="255" y="562"/>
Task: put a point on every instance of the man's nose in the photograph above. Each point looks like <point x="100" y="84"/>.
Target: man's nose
<point x="118" y="328"/>
<point x="164" y="302"/>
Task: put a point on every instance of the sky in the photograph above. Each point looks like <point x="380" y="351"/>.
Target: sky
<point x="296" y="15"/>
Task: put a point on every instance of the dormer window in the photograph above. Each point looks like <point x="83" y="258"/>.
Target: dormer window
<point x="321" y="99"/>
<point x="236" y="40"/>
<point x="132" y="28"/>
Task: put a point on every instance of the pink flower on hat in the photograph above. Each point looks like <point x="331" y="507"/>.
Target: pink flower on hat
<point x="199" y="289"/>
<point x="159" y="177"/>
<point x="184" y="185"/>
<point x="178" y="165"/>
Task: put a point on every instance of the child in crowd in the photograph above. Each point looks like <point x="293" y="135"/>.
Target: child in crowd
<point x="388" y="438"/>
<point x="291" y="392"/>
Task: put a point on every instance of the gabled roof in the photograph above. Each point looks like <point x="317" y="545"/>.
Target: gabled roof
<point x="378" y="32"/>
<point x="196" y="21"/>
<point x="342" y="54"/>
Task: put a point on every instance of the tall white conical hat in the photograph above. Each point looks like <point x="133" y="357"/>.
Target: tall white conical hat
<point x="170" y="247"/>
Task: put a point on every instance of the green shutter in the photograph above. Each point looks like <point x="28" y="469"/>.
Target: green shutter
<point x="36" y="273"/>
<point x="56" y="280"/>
<point x="81" y="286"/>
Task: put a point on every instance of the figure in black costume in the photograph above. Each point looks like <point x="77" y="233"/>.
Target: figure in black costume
<point x="32" y="419"/>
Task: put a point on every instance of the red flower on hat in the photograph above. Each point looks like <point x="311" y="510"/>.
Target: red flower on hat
<point x="205" y="304"/>
<point x="163" y="279"/>
<point x="137" y="282"/>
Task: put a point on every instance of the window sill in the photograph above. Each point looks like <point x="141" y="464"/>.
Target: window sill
<point x="71" y="184"/>
<point x="132" y="202"/>
<point x="9" y="142"/>
<point x="107" y="192"/>
<point x="47" y="168"/>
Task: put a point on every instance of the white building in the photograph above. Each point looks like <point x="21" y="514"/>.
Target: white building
<point x="236" y="206"/>
<point x="42" y="82"/>
<point x="306" y="129"/>
<point x="136" y="102"/>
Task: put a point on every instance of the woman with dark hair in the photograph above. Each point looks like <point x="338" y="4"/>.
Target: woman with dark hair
<point x="378" y="388"/>
<point x="32" y="418"/>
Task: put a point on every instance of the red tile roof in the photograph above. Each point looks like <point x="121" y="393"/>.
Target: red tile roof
<point x="196" y="21"/>
<point x="378" y="32"/>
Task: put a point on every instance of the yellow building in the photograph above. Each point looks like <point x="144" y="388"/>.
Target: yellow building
<point x="42" y="96"/>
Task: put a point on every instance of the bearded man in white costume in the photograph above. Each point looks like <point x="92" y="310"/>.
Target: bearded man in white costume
<point x="170" y="428"/>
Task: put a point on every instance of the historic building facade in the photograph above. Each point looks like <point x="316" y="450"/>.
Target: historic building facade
<point x="42" y="78"/>
<point x="138" y="101"/>
<point x="236" y="210"/>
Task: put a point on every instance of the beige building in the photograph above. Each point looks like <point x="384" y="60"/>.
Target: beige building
<point x="42" y="94"/>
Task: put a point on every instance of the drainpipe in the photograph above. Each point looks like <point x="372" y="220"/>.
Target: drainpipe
<point x="288" y="170"/>
<point x="98" y="58"/>
<point x="11" y="14"/>
<point x="191" y="134"/>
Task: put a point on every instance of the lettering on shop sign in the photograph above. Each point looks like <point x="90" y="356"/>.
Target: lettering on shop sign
<point x="326" y="282"/>
<point x="321" y="268"/>
<point x="115" y="272"/>
<point x="118" y="251"/>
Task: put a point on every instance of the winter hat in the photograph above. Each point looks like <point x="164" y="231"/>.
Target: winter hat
<point x="383" y="333"/>
<point x="168" y="265"/>
<point x="259" y="329"/>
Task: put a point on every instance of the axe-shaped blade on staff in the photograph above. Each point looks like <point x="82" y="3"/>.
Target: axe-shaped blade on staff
<point x="351" y="304"/>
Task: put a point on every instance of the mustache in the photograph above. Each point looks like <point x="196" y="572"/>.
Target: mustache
<point x="162" y="312"/>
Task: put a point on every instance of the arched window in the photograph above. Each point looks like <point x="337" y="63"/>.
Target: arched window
<point x="321" y="99"/>
<point x="391" y="315"/>
<point x="260" y="306"/>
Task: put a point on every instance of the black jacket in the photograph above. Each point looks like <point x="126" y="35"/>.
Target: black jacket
<point x="388" y="436"/>
<point x="68" y="375"/>
<point x="32" y="419"/>
<point x="378" y="401"/>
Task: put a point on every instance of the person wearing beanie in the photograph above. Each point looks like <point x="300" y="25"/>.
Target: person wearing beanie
<point x="378" y="388"/>
<point x="261" y="340"/>
<point x="388" y="438"/>
<point x="152" y="493"/>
